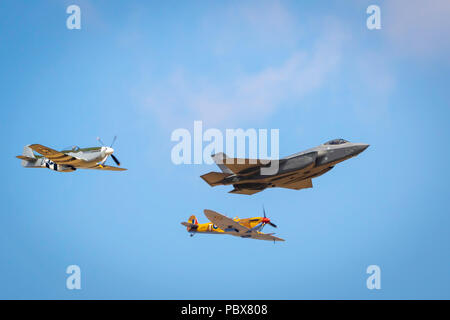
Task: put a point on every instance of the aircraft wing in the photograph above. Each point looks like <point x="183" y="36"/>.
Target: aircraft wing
<point x="225" y="223"/>
<point x="105" y="167"/>
<point x="245" y="191"/>
<point x="229" y="225"/>
<point x="55" y="156"/>
<point x="296" y="185"/>
<point x="265" y="236"/>
<point x="238" y="165"/>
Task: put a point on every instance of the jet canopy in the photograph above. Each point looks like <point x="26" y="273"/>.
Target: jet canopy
<point x="335" y="141"/>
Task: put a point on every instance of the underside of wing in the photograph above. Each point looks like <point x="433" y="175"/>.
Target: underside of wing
<point x="248" y="188"/>
<point x="56" y="156"/>
<point x="245" y="191"/>
<point x="110" y="168"/>
<point x="296" y="185"/>
<point x="238" y="165"/>
<point x="265" y="236"/>
<point x="225" y="223"/>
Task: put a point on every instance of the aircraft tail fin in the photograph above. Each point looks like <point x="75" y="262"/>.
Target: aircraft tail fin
<point x="28" y="158"/>
<point x="214" y="178"/>
<point x="192" y="224"/>
<point x="193" y="219"/>
<point x="28" y="152"/>
<point x="219" y="159"/>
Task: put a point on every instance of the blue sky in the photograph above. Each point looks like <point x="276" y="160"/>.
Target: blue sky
<point x="140" y="70"/>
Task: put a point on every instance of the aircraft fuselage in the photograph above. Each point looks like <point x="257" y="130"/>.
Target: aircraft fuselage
<point x="300" y="166"/>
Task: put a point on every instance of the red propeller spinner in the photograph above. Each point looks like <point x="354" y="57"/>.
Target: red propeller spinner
<point x="266" y="220"/>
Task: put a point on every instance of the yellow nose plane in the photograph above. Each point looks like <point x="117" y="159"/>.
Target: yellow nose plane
<point x="220" y="224"/>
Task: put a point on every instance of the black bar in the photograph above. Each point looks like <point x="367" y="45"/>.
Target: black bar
<point x="230" y="309"/>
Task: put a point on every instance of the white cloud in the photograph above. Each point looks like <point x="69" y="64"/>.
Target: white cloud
<point x="248" y="95"/>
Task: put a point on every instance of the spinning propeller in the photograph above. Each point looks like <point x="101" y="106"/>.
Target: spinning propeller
<point x="266" y="220"/>
<point x="110" y="147"/>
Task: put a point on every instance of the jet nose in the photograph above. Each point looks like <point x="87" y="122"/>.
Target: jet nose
<point x="360" y="147"/>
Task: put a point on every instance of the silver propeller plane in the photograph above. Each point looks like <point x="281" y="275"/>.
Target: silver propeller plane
<point x="69" y="160"/>
<point x="293" y="172"/>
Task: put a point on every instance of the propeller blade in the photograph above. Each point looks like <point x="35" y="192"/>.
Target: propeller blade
<point x="264" y="211"/>
<point x="115" y="159"/>
<point x="273" y="225"/>
<point x="114" y="140"/>
<point x="100" y="141"/>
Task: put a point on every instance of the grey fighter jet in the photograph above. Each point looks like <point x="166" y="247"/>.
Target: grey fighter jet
<point x="69" y="160"/>
<point x="249" y="176"/>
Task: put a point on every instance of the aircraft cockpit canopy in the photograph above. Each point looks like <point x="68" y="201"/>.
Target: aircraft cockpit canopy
<point x="336" y="141"/>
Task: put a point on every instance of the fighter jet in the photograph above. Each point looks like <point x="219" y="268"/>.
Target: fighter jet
<point x="69" y="160"/>
<point x="249" y="176"/>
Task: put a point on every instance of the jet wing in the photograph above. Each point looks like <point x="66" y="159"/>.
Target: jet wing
<point x="225" y="223"/>
<point x="245" y="191"/>
<point x="296" y="185"/>
<point x="110" y="168"/>
<point x="265" y="236"/>
<point x="56" y="156"/>
<point x="238" y="165"/>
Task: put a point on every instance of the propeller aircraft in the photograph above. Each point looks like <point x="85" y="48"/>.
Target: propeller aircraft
<point x="69" y="160"/>
<point x="220" y="224"/>
<point x="292" y="172"/>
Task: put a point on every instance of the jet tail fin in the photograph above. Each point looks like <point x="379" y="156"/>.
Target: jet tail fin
<point x="214" y="178"/>
<point x="241" y="166"/>
<point x="219" y="159"/>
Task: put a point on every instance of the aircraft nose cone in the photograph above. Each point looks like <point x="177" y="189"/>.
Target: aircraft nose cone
<point x="360" y="148"/>
<point x="109" y="150"/>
